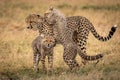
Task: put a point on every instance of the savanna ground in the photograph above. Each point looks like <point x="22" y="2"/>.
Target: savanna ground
<point x="15" y="40"/>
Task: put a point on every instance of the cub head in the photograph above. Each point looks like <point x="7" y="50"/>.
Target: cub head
<point x="50" y="15"/>
<point x="48" y="41"/>
<point x="54" y="16"/>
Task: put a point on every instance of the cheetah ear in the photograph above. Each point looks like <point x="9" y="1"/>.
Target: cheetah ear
<point x="51" y="8"/>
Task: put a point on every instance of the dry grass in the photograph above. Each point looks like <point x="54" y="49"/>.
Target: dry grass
<point x="15" y="40"/>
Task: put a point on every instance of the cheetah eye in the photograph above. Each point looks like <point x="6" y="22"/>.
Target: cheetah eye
<point x="50" y="40"/>
<point x="33" y="22"/>
<point x="45" y="40"/>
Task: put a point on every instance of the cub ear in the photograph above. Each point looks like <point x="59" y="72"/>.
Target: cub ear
<point x="51" y="8"/>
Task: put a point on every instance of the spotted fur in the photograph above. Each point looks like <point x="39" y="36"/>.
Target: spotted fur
<point x="74" y="30"/>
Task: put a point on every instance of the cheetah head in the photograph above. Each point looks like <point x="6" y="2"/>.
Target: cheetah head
<point x="48" y="41"/>
<point x="34" y="21"/>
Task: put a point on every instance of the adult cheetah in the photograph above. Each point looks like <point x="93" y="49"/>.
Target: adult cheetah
<point x="71" y="31"/>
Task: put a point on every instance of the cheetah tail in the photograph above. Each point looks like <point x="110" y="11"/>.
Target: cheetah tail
<point x="101" y="38"/>
<point x="86" y="57"/>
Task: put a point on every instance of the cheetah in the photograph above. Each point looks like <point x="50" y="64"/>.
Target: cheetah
<point x="74" y="31"/>
<point x="79" y="37"/>
<point x="43" y="46"/>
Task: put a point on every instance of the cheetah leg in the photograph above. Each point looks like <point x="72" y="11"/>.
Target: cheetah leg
<point x="69" y="56"/>
<point x="81" y="42"/>
<point x="43" y="62"/>
<point x="36" y="60"/>
<point x="82" y="50"/>
<point x="50" y="62"/>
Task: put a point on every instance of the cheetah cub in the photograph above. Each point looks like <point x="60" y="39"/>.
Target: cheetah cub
<point x="43" y="46"/>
